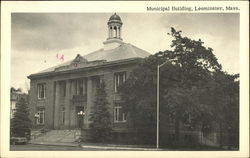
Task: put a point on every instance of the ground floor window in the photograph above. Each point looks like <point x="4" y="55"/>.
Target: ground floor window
<point x="119" y="114"/>
<point x="40" y="118"/>
<point x="188" y="120"/>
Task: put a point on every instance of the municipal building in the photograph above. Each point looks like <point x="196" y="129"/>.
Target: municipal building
<point x="59" y="94"/>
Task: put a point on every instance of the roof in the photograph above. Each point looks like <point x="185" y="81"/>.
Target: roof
<point x="123" y="52"/>
<point x="115" y="18"/>
<point x="85" y="67"/>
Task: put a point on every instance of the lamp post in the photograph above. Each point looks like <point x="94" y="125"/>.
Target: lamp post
<point x="36" y="116"/>
<point x="81" y="115"/>
<point x="158" y="106"/>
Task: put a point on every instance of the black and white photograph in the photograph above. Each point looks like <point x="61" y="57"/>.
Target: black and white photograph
<point x="125" y="81"/>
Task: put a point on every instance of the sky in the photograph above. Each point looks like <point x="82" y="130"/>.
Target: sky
<point x="37" y="38"/>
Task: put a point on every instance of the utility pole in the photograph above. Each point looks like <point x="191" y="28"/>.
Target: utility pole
<point x="157" y="111"/>
<point x="158" y="103"/>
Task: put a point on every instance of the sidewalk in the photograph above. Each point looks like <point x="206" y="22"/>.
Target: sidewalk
<point x="118" y="147"/>
<point x="55" y="144"/>
<point x="99" y="146"/>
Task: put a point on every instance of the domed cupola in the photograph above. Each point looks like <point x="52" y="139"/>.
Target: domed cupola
<point x="115" y="19"/>
<point x="114" y="32"/>
<point x="114" y="27"/>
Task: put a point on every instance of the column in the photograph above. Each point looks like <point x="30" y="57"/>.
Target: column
<point x="74" y="87"/>
<point x="108" y="32"/>
<point x="57" y="106"/>
<point x="77" y="87"/>
<point x="89" y="101"/>
<point x="119" y="30"/>
<point x="84" y="87"/>
<point x="109" y="35"/>
<point x="67" y="103"/>
<point x="73" y="117"/>
<point x="72" y="110"/>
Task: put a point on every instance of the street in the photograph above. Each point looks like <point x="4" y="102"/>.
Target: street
<point x="34" y="147"/>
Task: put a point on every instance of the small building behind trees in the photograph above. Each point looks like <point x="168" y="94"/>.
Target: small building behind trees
<point x="20" y="123"/>
<point x="15" y="97"/>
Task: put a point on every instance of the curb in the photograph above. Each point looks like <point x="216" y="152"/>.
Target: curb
<point x="55" y="144"/>
<point x="119" y="148"/>
<point x="94" y="147"/>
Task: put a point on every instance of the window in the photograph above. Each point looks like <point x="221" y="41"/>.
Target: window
<point x="41" y="91"/>
<point x="188" y="120"/>
<point x="40" y="118"/>
<point x="119" y="79"/>
<point x="172" y="118"/>
<point x="99" y="80"/>
<point x="82" y="87"/>
<point x="13" y="105"/>
<point x="119" y="115"/>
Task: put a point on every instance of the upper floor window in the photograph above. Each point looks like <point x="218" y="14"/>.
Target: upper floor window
<point x="119" y="79"/>
<point x="41" y="91"/>
<point x="82" y="87"/>
<point x="79" y="87"/>
<point x="40" y="118"/>
<point x="119" y="114"/>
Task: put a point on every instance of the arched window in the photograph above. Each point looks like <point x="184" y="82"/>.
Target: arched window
<point x="110" y="31"/>
<point x="115" y="31"/>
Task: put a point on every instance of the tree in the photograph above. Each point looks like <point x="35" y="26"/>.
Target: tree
<point x="191" y="73"/>
<point x="21" y="124"/>
<point x="196" y="66"/>
<point x="224" y="100"/>
<point x="12" y="89"/>
<point x="100" y="127"/>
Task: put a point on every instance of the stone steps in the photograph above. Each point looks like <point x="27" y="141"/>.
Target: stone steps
<point x="62" y="136"/>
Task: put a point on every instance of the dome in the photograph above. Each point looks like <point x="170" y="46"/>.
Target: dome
<point x="115" y="18"/>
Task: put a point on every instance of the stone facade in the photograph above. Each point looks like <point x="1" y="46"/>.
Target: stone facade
<point x="68" y="93"/>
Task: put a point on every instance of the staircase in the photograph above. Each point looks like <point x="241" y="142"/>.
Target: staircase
<point x="57" y="136"/>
